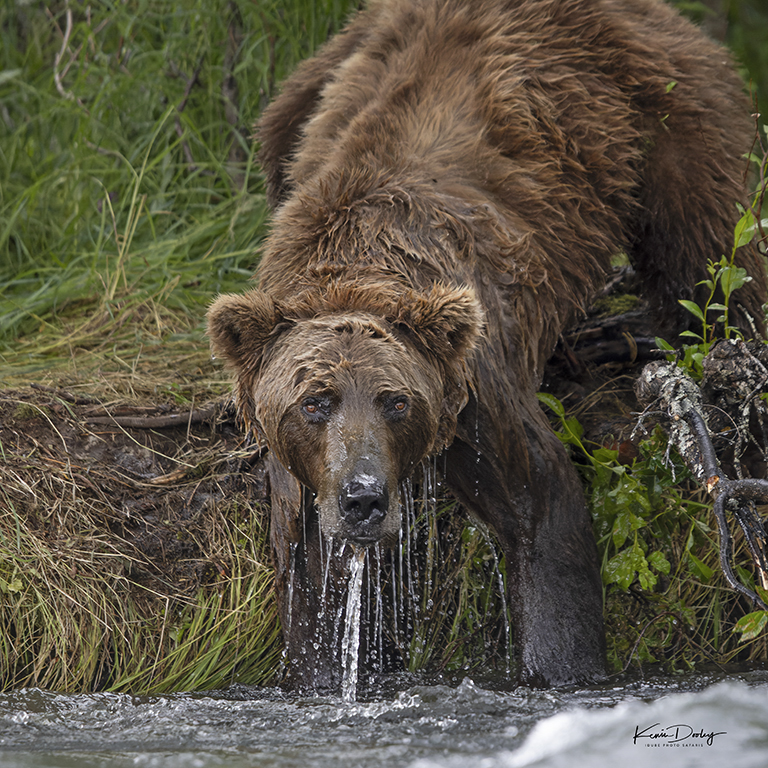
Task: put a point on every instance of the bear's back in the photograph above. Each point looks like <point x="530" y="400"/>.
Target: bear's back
<point x="499" y="143"/>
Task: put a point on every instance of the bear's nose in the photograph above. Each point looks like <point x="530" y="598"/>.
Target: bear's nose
<point x="364" y="499"/>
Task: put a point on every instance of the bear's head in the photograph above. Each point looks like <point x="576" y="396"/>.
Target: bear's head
<point x="350" y="388"/>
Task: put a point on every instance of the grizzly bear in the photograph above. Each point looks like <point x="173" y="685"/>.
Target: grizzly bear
<point x="450" y="179"/>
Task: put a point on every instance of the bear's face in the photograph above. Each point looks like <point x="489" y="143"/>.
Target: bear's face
<point x="349" y="401"/>
<point x="345" y="409"/>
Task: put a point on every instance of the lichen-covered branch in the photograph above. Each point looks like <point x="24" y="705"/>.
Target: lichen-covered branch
<point x="666" y="390"/>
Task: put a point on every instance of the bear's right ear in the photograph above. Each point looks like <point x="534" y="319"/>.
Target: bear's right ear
<point x="446" y="321"/>
<point x="239" y="326"/>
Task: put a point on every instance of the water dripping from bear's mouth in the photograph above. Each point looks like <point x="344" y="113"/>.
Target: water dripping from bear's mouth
<point x="350" y="643"/>
<point x="389" y="606"/>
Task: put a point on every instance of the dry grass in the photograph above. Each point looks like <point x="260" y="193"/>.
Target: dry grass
<point x="109" y="580"/>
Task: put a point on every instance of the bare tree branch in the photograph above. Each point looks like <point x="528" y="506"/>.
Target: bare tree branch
<point x="665" y="389"/>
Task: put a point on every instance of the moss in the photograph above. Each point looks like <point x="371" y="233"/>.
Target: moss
<point x="27" y="411"/>
<point x="611" y="306"/>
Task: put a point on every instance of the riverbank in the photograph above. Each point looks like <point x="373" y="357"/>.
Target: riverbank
<point x="133" y="514"/>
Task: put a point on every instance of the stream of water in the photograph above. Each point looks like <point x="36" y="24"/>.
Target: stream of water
<point x="350" y="644"/>
<point x="698" y="720"/>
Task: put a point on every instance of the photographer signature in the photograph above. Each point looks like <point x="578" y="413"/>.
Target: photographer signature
<point x="676" y="734"/>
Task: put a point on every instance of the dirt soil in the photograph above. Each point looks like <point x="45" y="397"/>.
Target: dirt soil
<point x="146" y="475"/>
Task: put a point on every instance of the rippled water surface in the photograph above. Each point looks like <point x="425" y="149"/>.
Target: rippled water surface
<point x="702" y="720"/>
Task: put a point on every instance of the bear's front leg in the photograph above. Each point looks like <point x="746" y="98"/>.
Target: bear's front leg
<point x="526" y="489"/>
<point x="554" y="573"/>
<point x="310" y="584"/>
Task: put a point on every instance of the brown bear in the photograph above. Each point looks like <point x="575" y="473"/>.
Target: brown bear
<point x="450" y="180"/>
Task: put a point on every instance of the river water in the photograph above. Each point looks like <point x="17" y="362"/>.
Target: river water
<point x="697" y="720"/>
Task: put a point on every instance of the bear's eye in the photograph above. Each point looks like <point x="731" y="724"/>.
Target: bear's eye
<point x="316" y="409"/>
<point x="396" y="407"/>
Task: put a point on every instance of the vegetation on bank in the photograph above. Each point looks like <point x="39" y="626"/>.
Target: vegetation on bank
<point x="129" y="197"/>
<point x="129" y="191"/>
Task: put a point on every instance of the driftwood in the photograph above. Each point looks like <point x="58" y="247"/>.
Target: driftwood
<point x="728" y="406"/>
<point x="155" y="422"/>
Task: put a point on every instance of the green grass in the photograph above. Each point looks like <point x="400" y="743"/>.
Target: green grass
<point x="127" y="178"/>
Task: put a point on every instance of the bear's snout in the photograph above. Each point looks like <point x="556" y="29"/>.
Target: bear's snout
<point x="363" y="506"/>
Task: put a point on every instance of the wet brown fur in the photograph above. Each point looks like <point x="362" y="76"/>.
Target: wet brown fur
<point x="451" y="180"/>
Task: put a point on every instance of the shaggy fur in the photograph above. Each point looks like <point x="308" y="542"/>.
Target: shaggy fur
<point x="451" y="179"/>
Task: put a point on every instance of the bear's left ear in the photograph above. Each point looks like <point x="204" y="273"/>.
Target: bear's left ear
<point x="240" y="325"/>
<point x="446" y="322"/>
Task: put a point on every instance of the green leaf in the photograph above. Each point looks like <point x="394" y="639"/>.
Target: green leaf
<point x="751" y="625"/>
<point x="551" y="402"/>
<point x="620" y="569"/>
<point x="745" y="230"/>
<point x="698" y="568"/>
<point x="659" y="563"/>
<point x="626" y="522"/>
<point x="691" y="334"/>
<point x="607" y="456"/>
<point x="693" y="308"/>
<point x="573" y="428"/>
<point x="621" y="528"/>
<point x="703" y="527"/>
<point x="697" y="360"/>
<point x="733" y="278"/>
<point x="661" y="344"/>
<point x="746" y="577"/>
<point x="644" y="576"/>
<point x="670" y="85"/>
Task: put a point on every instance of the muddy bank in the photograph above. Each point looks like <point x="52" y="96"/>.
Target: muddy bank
<point x="133" y="543"/>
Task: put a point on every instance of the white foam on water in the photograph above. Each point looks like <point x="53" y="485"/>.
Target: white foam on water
<point x="724" y="724"/>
